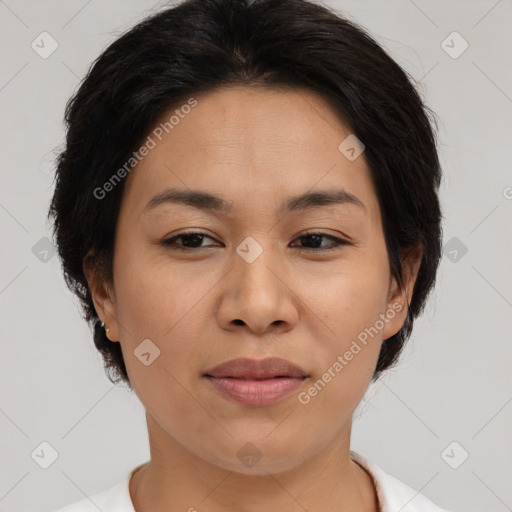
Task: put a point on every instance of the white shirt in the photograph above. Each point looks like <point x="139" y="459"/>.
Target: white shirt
<point x="393" y="495"/>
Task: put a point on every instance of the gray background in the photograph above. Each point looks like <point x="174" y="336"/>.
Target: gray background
<point x="454" y="380"/>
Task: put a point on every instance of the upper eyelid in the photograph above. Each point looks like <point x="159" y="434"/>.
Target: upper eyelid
<point x="310" y="232"/>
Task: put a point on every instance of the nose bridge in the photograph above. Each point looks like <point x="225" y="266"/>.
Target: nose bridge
<point x="259" y="296"/>
<point x="254" y="262"/>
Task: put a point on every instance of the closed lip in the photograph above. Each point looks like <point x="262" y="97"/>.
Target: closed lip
<point x="245" y="368"/>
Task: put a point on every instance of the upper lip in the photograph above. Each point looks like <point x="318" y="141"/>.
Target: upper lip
<point x="256" y="369"/>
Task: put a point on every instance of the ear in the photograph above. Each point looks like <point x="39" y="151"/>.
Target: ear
<point x="102" y="296"/>
<point x="399" y="298"/>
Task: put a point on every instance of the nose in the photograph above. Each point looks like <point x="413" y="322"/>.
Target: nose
<point x="258" y="296"/>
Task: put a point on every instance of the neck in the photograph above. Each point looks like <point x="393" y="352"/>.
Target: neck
<point x="175" y="479"/>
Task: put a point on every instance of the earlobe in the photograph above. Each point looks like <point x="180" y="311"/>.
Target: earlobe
<point x="411" y="261"/>
<point x="101" y="295"/>
<point x="399" y="297"/>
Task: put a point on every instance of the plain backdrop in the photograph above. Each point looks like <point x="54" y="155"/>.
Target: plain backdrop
<point x="451" y="395"/>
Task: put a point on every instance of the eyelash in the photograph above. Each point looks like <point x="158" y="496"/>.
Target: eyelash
<point x="169" y="242"/>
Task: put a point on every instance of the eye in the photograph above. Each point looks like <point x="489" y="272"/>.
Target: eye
<point x="192" y="240"/>
<point x="315" y="239"/>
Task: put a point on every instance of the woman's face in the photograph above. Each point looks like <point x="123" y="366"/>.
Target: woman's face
<point x="253" y="285"/>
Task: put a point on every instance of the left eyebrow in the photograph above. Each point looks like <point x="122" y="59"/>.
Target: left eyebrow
<point x="210" y="202"/>
<point x="311" y="200"/>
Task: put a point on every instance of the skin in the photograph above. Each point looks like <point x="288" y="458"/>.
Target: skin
<point x="255" y="148"/>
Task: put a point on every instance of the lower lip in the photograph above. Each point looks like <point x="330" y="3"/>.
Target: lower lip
<point x="256" y="392"/>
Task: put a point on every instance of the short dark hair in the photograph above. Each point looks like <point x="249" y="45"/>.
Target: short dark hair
<point x="198" y="46"/>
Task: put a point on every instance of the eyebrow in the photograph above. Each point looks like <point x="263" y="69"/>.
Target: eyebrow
<point x="210" y="202"/>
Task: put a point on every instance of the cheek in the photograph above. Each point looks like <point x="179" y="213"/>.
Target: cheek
<point x="156" y="296"/>
<point x="168" y="304"/>
<point x="350" y="304"/>
<point x="350" y="298"/>
<point x="348" y="351"/>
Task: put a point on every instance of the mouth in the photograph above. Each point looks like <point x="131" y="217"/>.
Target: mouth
<point x="256" y="382"/>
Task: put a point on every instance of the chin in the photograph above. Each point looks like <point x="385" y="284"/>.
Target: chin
<point x="256" y="458"/>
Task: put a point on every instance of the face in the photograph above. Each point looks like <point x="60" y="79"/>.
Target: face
<point x="308" y="281"/>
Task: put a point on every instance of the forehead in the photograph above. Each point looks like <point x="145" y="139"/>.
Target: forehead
<point x="250" y="145"/>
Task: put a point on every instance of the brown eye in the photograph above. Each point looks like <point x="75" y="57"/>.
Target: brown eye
<point x="315" y="239"/>
<point x="190" y="241"/>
